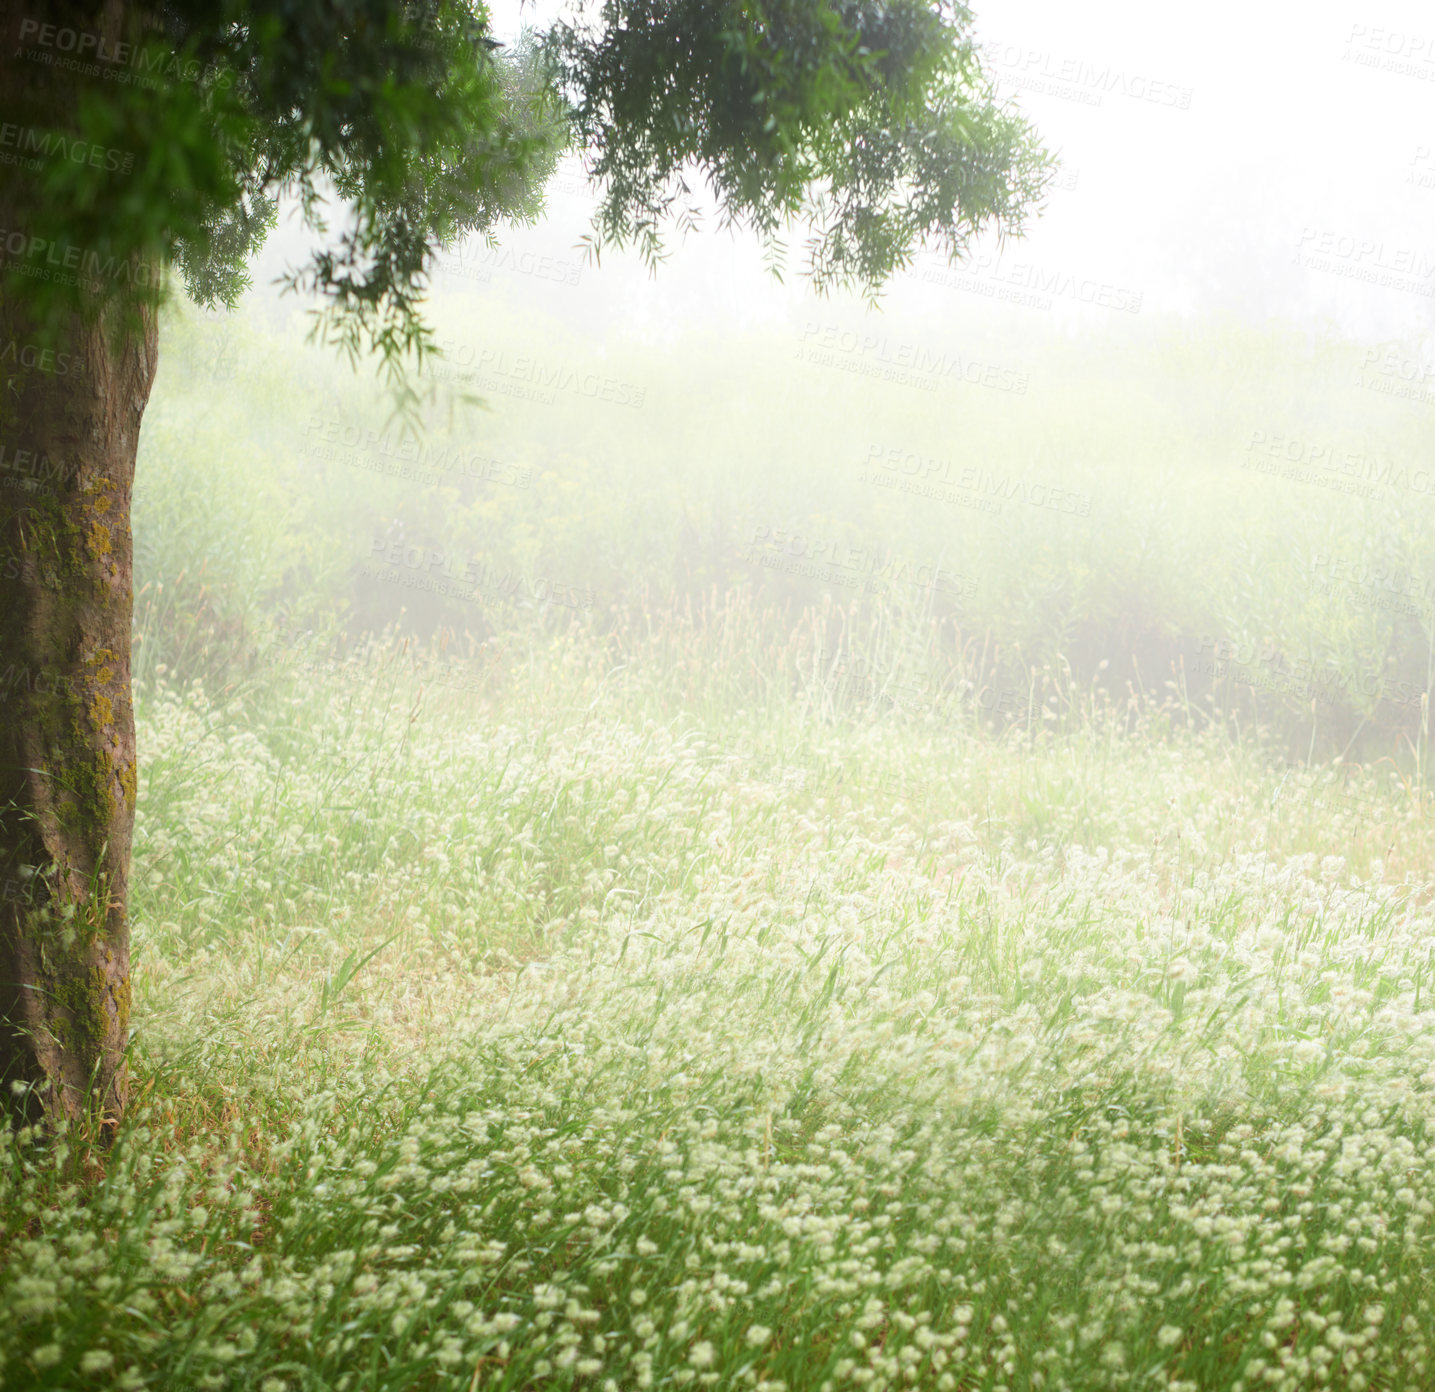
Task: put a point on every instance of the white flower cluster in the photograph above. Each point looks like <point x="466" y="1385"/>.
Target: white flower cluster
<point x="665" y="1076"/>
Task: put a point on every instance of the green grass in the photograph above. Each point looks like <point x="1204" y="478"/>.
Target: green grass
<point x="736" y="984"/>
<point x="543" y="1035"/>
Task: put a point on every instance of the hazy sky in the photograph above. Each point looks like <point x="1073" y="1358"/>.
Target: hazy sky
<point x="1211" y="146"/>
<point x="1269" y="159"/>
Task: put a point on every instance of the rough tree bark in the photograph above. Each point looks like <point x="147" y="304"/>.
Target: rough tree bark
<point x="67" y="740"/>
<point x="69" y="425"/>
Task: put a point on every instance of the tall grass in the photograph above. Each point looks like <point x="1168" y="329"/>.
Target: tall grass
<point x="548" y="1034"/>
<point x="738" y="983"/>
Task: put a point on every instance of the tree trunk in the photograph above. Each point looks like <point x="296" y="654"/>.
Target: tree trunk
<point x="70" y="413"/>
<point x="69" y="425"/>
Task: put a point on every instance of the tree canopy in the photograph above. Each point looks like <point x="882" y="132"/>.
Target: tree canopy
<point x="869" y="121"/>
<point x="142" y="139"/>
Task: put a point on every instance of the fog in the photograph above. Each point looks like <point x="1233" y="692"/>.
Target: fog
<point x="763" y="840"/>
<point x="1214" y="340"/>
<point x="1243" y="162"/>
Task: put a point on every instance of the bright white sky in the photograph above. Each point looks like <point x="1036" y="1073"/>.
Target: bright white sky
<point x="1311" y="120"/>
<point x="1298" y="181"/>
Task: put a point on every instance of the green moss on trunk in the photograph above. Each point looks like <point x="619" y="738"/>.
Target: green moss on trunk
<point x="68" y="775"/>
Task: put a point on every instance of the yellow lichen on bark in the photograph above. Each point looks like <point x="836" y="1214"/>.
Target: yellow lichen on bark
<point x="99" y="541"/>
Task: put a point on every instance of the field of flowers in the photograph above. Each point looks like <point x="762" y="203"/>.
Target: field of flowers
<point x="582" y="941"/>
<point x="543" y="1029"/>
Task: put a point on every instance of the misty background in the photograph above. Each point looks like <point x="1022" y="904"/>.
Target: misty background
<point x="1198" y="153"/>
<point x="1175" y="440"/>
<point x="775" y="841"/>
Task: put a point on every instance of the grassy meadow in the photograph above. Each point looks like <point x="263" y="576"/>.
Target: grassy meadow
<point x="625" y="953"/>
